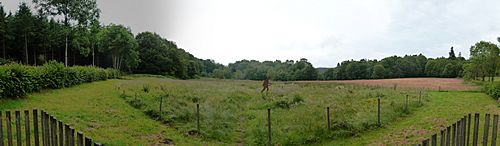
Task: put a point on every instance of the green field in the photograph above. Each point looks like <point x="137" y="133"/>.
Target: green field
<point x="126" y="112"/>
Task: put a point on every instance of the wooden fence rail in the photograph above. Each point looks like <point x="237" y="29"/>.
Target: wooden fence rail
<point x="46" y="130"/>
<point x="458" y="134"/>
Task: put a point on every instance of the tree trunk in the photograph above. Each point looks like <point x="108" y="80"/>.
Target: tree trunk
<point x="34" y="56"/>
<point x="52" y="52"/>
<point x="113" y="57"/>
<point x="66" y="52"/>
<point x="3" y="46"/>
<point x="74" y="58"/>
<point x="116" y="61"/>
<point x="93" y="55"/>
<point x="66" y="39"/>
<point x="26" y="48"/>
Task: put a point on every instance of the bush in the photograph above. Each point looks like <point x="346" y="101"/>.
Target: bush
<point x="492" y="89"/>
<point x="5" y="61"/>
<point x="18" y="80"/>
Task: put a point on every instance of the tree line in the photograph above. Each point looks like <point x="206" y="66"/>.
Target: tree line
<point x="398" y="67"/>
<point x="483" y="63"/>
<point x="70" y="32"/>
<point x="288" y="70"/>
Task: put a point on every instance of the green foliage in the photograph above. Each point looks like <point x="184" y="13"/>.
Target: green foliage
<point x="255" y="70"/>
<point x="443" y="67"/>
<point x="379" y="72"/>
<point x="162" y="57"/>
<point x="484" y="61"/>
<point x="492" y="89"/>
<point x="4" y="61"/>
<point x="286" y="102"/>
<point x="397" y="67"/>
<point x="18" y="80"/>
<point x="119" y="41"/>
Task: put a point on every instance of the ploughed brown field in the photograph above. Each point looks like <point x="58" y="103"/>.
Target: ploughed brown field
<point x="417" y="83"/>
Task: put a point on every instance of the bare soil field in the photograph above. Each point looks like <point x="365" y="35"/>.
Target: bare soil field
<point x="417" y="83"/>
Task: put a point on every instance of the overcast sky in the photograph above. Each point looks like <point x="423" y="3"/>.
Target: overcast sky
<point x="323" y="31"/>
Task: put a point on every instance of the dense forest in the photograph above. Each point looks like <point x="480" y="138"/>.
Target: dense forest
<point x="70" y="32"/>
<point x="399" y="67"/>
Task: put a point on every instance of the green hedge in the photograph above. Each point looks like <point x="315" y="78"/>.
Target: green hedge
<point x="492" y="89"/>
<point x="18" y="80"/>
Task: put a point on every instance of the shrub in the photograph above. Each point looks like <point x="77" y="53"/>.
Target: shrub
<point x="5" y="61"/>
<point x="288" y="102"/>
<point x="492" y="89"/>
<point x="18" y="80"/>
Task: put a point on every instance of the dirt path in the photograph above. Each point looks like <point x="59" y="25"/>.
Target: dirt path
<point x="240" y="131"/>
<point x="240" y="141"/>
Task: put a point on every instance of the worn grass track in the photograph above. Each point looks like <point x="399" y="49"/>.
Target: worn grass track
<point x="443" y="109"/>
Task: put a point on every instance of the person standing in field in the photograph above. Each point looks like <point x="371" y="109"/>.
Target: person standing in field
<point x="266" y="84"/>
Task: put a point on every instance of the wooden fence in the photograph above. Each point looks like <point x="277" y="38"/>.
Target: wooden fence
<point x="46" y="130"/>
<point x="459" y="133"/>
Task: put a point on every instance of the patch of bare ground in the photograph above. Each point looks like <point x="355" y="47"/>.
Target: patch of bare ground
<point x="454" y="84"/>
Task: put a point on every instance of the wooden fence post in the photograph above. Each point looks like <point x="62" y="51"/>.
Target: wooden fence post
<point x="269" y="126"/>
<point x="71" y="136"/>
<point x="468" y="129"/>
<point x="66" y="134"/>
<point x="420" y="97"/>
<point x="161" y="104"/>
<point x="47" y="128"/>
<point x="406" y="103"/>
<point x="442" y="138"/>
<point x="53" y="130"/>
<point x="328" y="116"/>
<point x="476" y="129"/>
<point x="88" y="141"/>
<point x="18" y="128"/>
<point x="379" y="124"/>
<point x="448" y="132"/>
<point x="1" y="130"/>
<point x="434" y="140"/>
<point x="61" y="134"/>
<point x="198" y="118"/>
<point x="495" y="128"/>
<point x="42" y="124"/>
<point x="27" y="126"/>
<point x="425" y="142"/>
<point x="486" y="129"/>
<point x="35" y="128"/>
<point x="453" y="136"/>
<point x="464" y="129"/>
<point x="79" y="138"/>
<point x="9" y="128"/>
<point x="459" y="133"/>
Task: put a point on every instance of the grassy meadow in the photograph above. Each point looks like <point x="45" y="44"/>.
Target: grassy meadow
<point x="126" y="112"/>
<point x="236" y="112"/>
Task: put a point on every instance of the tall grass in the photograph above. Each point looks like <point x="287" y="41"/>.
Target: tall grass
<point x="235" y="110"/>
